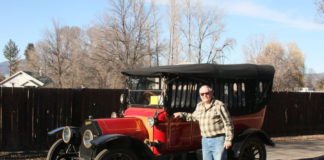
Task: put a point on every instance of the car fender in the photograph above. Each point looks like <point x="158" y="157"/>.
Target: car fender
<point x="56" y="130"/>
<point x="243" y="136"/>
<point x="123" y="141"/>
<point x="59" y="130"/>
<point x="106" y="138"/>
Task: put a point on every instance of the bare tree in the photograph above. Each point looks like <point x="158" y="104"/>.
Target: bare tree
<point x="188" y="11"/>
<point x="320" y="8"/>
<point x="320" y="85"/>
<point x="287" y="60"/>
<point x="296" y="63"/>
<point x="254" y="47"/>
<point x="310" y="79"/>
<point x="100" y="57"/>
<point x="174" y="35"/>
<point x="129" y="26"/>
<point x="273" y="54"/>
<point x="202" y="30"/>
<point x="75" y="75"/>
<point x="58" y="51"/>
<point x="217" y="54"/>
<point x="129" y="36"/>
<point x="119" y="41"/>
<point x="155" y="39"/>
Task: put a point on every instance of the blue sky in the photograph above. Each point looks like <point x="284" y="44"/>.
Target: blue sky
<point x="287" y="20"/>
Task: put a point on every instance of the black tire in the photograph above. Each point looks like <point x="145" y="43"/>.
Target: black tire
<point x="117" y="154"/>
<point x="253" y="149"/>
<point x="59" y="151"/>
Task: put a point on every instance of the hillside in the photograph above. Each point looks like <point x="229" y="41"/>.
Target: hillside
<point x="4" y="68"/>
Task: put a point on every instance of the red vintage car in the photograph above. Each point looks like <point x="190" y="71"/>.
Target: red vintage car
<point x="148" y="129"/>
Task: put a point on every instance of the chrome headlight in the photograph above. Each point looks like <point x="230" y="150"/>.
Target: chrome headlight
<point x="66" y="134"/>
<point x="122" y="98"/>
<point x="151" y="121"/>
<point x="87" y="138"/>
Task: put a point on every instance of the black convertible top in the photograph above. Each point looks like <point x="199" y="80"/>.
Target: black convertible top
<point x="227" y="71"/>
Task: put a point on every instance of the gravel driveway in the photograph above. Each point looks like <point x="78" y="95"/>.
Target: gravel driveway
<point x="297" y="148"/>
<point x="287" y="148"/>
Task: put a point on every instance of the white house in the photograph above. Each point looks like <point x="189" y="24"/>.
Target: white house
<point x="26" y="79"/>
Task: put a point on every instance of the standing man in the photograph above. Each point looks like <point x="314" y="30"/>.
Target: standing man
<point x="215" y="124"/>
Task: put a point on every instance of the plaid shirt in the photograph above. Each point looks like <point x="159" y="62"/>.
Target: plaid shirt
<point x="213" y="121"/>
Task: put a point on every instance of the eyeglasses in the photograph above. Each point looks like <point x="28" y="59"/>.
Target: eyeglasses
<point x="206" y="93"/>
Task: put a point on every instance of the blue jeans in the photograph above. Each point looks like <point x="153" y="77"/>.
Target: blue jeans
<point x="213" y="148"/>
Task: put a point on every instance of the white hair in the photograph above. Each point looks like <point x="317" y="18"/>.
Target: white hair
<point x="210" y="90"/>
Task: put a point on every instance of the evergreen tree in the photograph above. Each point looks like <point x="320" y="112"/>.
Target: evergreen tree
<point x="11" y="52"/>
<point x="31" y="59"/>
<point x="30" y="48"/>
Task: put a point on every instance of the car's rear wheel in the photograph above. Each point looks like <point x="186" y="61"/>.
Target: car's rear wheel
<point x="61" y="151"/>
<point x="253" y="149"/>
<point x="117" y="154"/>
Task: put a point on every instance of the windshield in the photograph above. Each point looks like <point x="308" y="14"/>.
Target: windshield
<point x="145" y="91"/>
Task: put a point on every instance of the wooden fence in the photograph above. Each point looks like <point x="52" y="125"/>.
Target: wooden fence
<point x="27" y="114"/>
<point x="295" y="113"/>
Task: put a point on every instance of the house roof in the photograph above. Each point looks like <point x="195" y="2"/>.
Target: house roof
<point x="42" y="78"/>
<point x="39" y="80"/>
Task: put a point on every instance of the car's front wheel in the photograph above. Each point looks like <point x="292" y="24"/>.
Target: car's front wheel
<point x="61" y="151"/>
<point x="117" y="154"/>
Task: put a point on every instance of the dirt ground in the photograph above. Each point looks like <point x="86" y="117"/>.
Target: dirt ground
<point x="297" y="148"/>
<point x="281" y="141"/>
